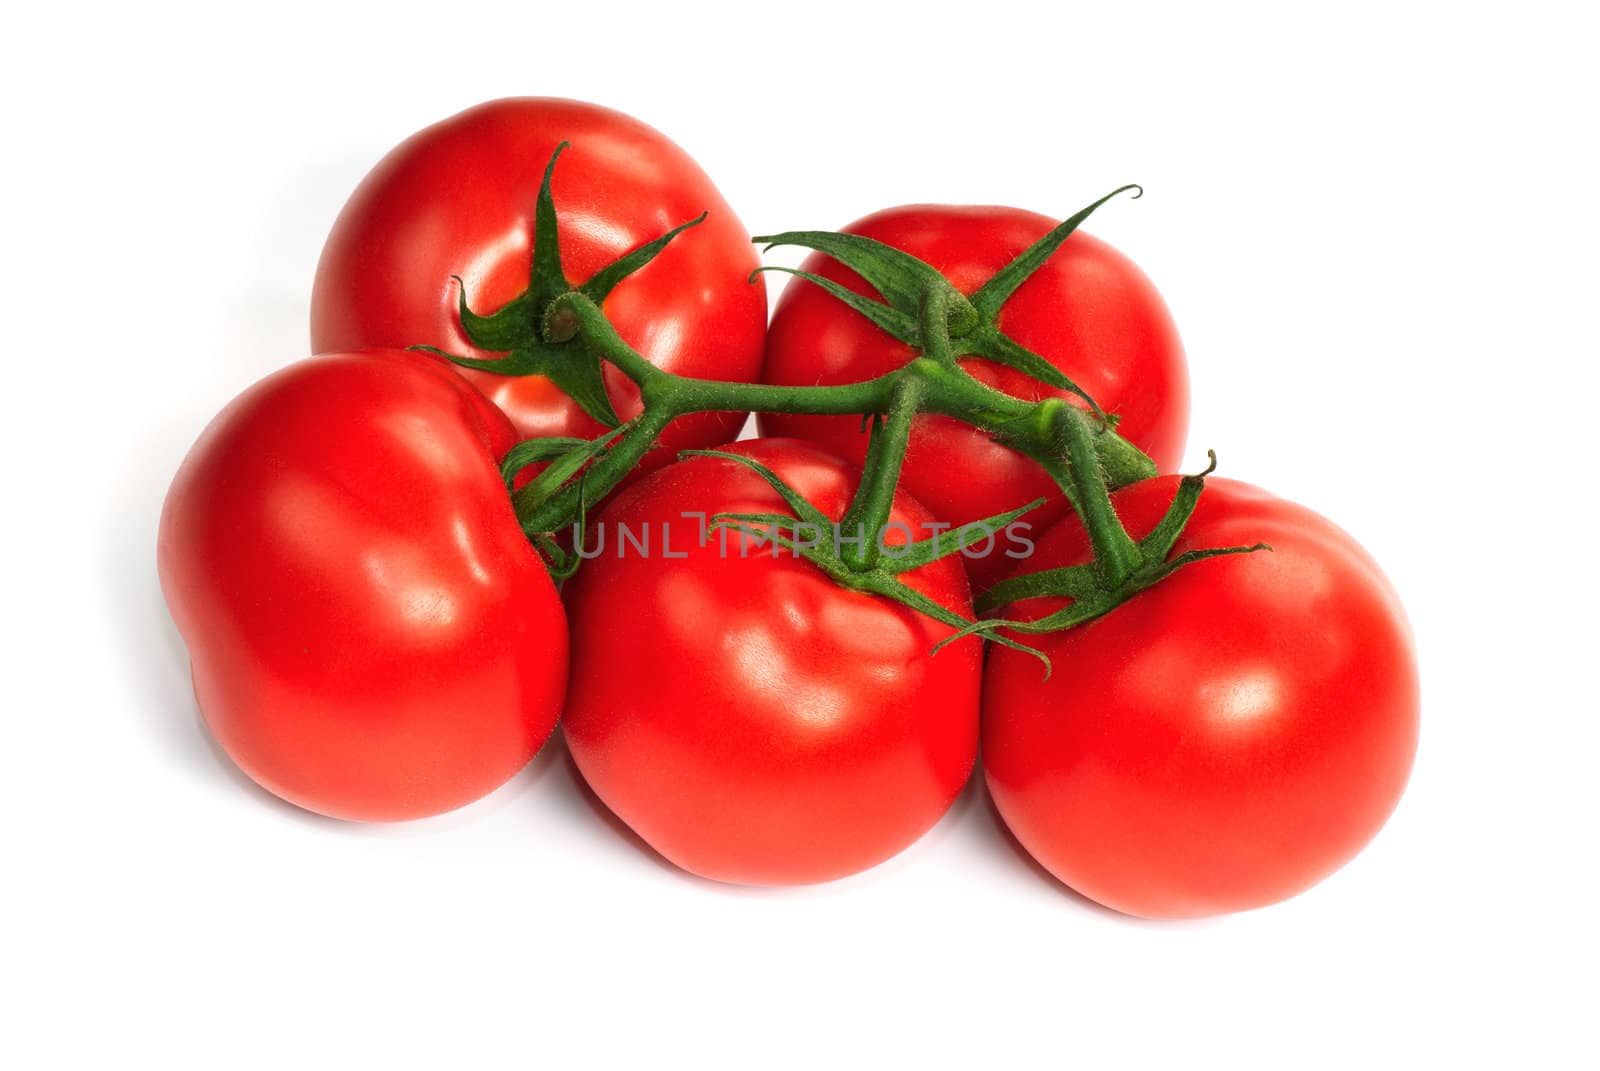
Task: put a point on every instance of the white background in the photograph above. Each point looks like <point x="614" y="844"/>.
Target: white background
<point x="1376" y="227"/>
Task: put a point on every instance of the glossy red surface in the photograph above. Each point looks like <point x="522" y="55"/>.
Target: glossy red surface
<point x="457" y="199"/>
<point x="370" y="634"/>
<point x="750" y="719"/>
<point x="1225" y="739"/>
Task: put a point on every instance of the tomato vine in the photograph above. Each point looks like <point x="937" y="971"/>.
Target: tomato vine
<point x="559" y="330"/>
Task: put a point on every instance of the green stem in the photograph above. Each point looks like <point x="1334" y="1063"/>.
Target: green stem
<point x="1116" y="556"/>
<point x="942" y="386"/>
<point x="564" y="506"/>
<point x="706" y="395"/>
<point x="868" y="515"/>
<point x="935" y="325"/>
<point x="869" y="510"/>
<point x="575" y="313"/>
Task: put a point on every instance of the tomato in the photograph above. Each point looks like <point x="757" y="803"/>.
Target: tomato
<point x="1088" y="310"/>
<point x="370" y="634"/>
<point x="750" y="719"/>
<point x="1224" y="739"/>
<point x="458" y="199"/>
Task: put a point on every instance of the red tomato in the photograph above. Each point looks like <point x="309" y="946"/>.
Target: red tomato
<point x="371" y="635"/>
<point x="458" y="199"/>
<point x="750" y="719"/>
<point x="1223" y="740"/>
<point x="1088" y="310"/>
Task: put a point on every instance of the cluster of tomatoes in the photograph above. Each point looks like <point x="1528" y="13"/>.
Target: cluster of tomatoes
<point x="374" y="636"/>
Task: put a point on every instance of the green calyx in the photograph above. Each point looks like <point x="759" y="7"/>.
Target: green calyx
<point x="536" y="341"/>
<point x="970" y="324"/>
<point x="1093" y="589"/>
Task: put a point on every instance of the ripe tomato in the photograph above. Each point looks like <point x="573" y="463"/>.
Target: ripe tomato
<point x="371" y="635"/>
<point x="1226" y="738"/>
<point x="1088" y="310"/>
<point x="458" y="199"/>
<point x="750" y="719"/>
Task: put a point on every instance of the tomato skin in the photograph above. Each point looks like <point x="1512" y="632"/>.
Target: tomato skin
<point x="1225" y="739"/>
<point x="749" y="719"/>
<point x="371" y="636"/>
<point x="458" y="199"/>
<point x="1089" y="310"/>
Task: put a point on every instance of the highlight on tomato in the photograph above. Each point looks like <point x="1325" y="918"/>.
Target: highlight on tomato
<point x="750" y="719"/>
<point x="1086" y="309"/>
<point x="460" y="237"/>
<point x="1226" y="738"/>
<point x="370" y="633"/>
